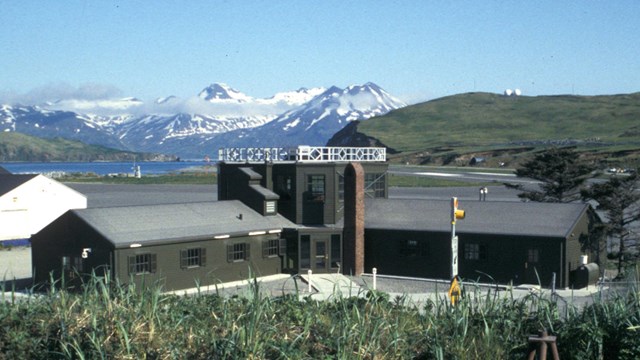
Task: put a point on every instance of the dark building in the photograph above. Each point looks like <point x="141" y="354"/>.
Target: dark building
<point x="310" y="184"/>
<point x="176" y="245"/>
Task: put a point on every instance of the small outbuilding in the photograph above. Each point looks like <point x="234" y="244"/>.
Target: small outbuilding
<point x="476" y="160"/>
<point x="178" y="246"/>
<point x="30" y="202"/>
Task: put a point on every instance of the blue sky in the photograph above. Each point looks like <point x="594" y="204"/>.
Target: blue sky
<point x="416" y="50"/>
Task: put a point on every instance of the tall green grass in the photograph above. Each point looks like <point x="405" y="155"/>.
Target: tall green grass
<point x="115" y="321"/>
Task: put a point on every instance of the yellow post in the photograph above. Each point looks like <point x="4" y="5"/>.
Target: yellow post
<point x="455" y="291"/>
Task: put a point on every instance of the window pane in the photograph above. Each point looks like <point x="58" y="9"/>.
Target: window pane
<point x="237" y="252"/>
<point x="305" y="251"/>
<point x="270" y="247"/>
<point x="141" y="264"/>
<point x="191" y="257"/>
<point x="315" y="187"/>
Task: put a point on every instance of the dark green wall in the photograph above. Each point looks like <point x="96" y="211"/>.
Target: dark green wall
<point x="385" y="250"/>
<point x="68" y="235"/>
<point x="505" y="256"/>
<point x="216" y="270"/>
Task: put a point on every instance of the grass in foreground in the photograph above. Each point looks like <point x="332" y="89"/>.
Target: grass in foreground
<point x="107" y="321"/>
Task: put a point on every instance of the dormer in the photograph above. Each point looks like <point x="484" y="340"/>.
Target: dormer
<point x="248" y="189"/>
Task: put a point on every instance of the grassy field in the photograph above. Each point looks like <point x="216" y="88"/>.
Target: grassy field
<point x="110" y="321"/>
<point x="490" y="124"/>
<point x="420" y="181"/>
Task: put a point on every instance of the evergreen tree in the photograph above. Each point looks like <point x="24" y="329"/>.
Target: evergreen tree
<point x="561" y="174"/>
<point x="620" y="199"/>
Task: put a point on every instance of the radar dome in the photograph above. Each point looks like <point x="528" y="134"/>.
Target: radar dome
<point x="508" y="92"/>
<point x="517" y="92"/>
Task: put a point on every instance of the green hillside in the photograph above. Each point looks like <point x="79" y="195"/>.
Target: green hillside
<point x="482" y="122"/>
<point x="20" y="147"/>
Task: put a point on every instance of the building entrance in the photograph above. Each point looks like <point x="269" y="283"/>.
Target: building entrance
<point x="320" y="256"/>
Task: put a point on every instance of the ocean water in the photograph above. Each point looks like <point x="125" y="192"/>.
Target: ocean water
<point x="106" y="168"/>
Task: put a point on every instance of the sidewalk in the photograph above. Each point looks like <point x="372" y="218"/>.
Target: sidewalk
<point x="330" y="286"/>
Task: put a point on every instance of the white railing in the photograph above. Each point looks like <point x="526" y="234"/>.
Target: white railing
<point x="303" y="154"/>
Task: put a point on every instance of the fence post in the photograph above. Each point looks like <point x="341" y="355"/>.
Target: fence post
<point x="309" y="275"/>
<point x="375" y="271"/>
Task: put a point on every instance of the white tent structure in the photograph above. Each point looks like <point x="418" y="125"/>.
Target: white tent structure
<point x="28" y="203"/>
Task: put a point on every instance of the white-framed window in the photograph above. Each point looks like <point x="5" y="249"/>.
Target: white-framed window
<point x="374" y="185"/>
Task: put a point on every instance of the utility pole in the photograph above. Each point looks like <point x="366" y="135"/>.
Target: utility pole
<point x="455" y="215"/>
<point x="455" y="290"/>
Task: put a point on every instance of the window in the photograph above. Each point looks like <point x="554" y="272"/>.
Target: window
<point x="237" y="252"/>
<point x="284" y="187"/>
<point x="270" y="248"/>
<point x="142" y="264"/>
<point x="533" y="255"/>
<point x="190" y="258"/>
<point x="412" y="247"/>
<point x="315" y="188"/>
<point x="475" y="252"/>
<point x="305" y="251"/>
<point x="72" y="263"/>
<point x="340" y="188"/>
<point x="374" y="185"/>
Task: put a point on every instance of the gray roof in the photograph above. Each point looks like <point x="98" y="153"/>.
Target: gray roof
<point x="9" y="182"/>
<point x="156" y="224"/>
<point x="268" y="194"/>
<point x="481" y="217"/>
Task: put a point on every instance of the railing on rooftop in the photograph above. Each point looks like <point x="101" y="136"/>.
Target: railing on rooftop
<point x="303" y="154"/>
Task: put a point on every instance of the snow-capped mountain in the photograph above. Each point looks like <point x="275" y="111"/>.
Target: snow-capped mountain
<point x="219" y="116"/>
<point x="36" y="121"/>
<point x="219" y="92"/>
<point x="222" y="93"/>
<point x="317" y="120"/>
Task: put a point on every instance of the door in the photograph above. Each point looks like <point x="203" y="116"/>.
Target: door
<point x="531" y="267"/>
<point x="320" y="256"/>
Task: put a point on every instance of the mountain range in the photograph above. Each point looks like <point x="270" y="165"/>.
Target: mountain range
<point x="219" y="116"/>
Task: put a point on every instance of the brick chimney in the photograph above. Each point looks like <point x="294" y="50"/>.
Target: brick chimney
<point x="353" y="233"/>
